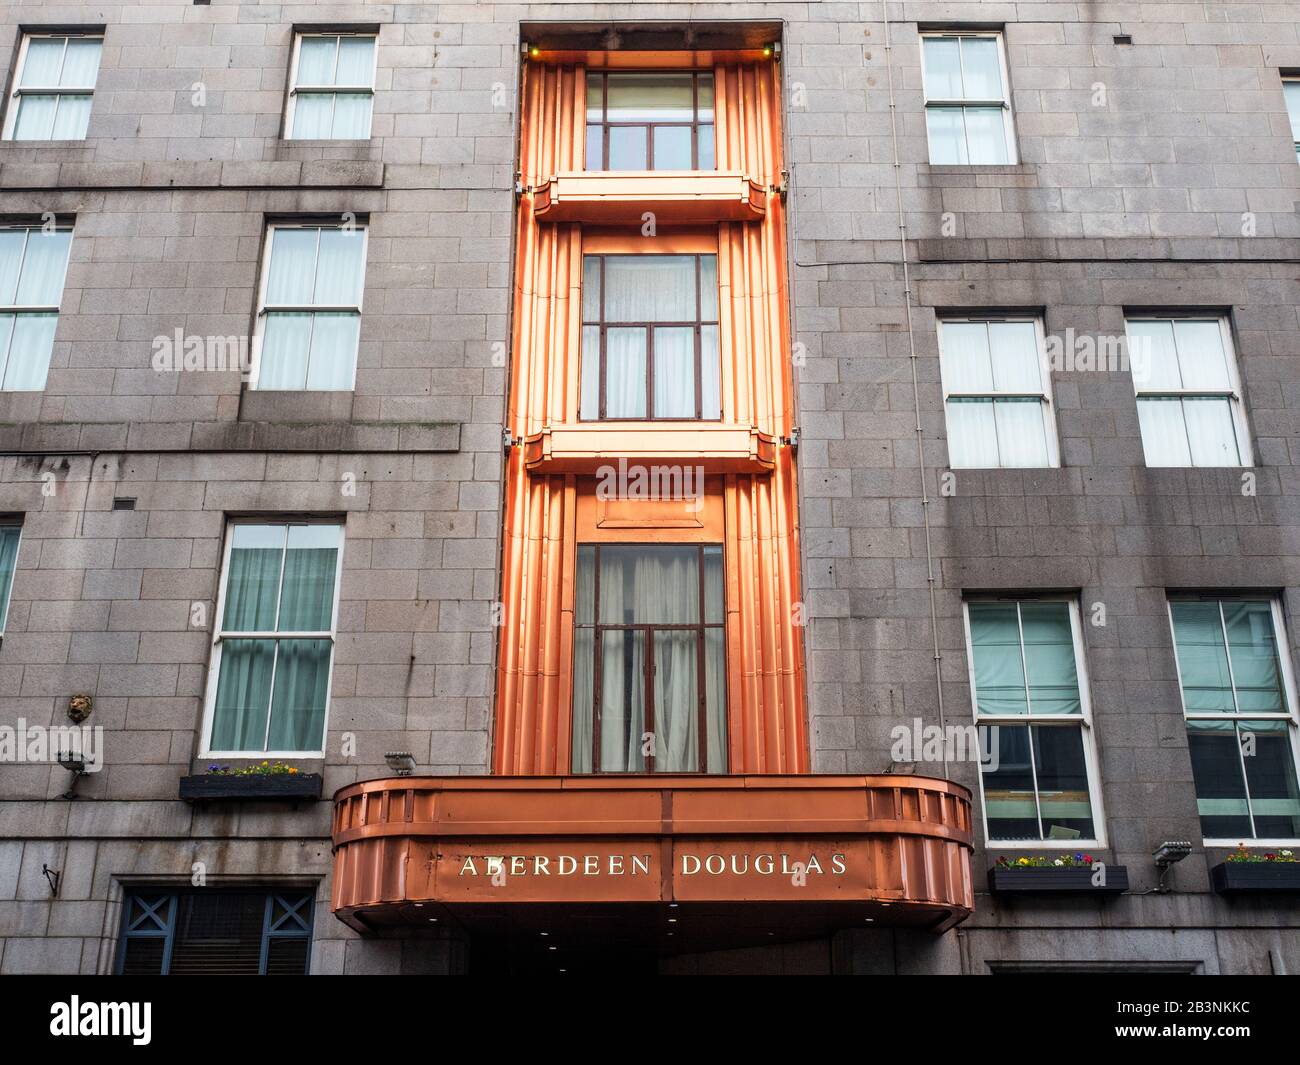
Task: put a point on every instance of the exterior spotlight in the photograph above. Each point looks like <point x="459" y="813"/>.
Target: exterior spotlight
<point x="1166" y="856"/>
<point x="75" y="764"/>
<point x="1171" y="853"/>
<point x="767" y="51"/>
<point x="400" y="762"/>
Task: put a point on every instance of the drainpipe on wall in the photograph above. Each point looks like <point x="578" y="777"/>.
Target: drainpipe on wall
<point x="916" y="390"/>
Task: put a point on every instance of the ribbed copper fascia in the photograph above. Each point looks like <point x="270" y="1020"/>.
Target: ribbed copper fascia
<point x="908" y="839"/>
<point x="766" y="713"/>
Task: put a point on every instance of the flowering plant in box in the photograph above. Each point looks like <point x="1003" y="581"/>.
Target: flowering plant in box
<point x="1078" y="860"/>
<point x="1241" y="854"/>
<point x="262" y="769"/>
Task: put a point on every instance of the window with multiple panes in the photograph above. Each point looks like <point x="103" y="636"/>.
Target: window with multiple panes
<point x="967" y="100"/>
<point x="650" y="337"/>
<point x="33" y="262"/>
<point x="1188" y="394"/>
<point x="997" y="393"/>
<point x="649" y="669"/>
<point x="1291" y="89"/>
<point x="1239" y="701"/>
<point x="215" y="932"/>
<point x="10" y="533"/>
<point x="53" y="87"/>
<point x="1030" y="693"/>
<point x="650" y="121"/>
<point x="332" y="87"/>
<point x="274" y="643"/>
<point x="309" y="318"/>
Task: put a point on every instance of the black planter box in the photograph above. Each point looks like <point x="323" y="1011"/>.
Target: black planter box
<point x="219" y="787"/>
<point x="1231" y="877"/>
<point x="1050" y="880"/>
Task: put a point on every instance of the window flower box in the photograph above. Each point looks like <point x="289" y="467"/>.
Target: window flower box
<point x="1068" y="874"/>
<point x="259" y="783"/>
<point x="1244" y="872"/>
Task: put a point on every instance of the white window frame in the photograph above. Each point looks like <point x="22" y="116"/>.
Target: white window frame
<point x="18" y="90"/>
<point x="33" y="308"/>
<point x="259" y="331"/>
<point x="1292" y="79"/>
<point x="1290" y="715"/>
<point x="1045" y="380"/>
<point x="219" y="635"/>
<point x="1008" y="124"/>
<point x="295" y="88"/>
<point x="1233" y="394"/>
<point x="10" y="523"/>
<point x="1083" y="720"/>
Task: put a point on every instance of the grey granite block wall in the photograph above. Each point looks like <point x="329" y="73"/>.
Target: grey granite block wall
<point x="1160" y="174"/>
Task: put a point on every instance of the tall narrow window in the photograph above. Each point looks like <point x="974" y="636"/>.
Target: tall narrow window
<point x="1031" y="704"/>
<point x="333" y="86"/>
<point x="648" y="121"/>
<point x="649" y="673"/>
<point x="1291" y="88"/>
<point x="1188" y="394"/>
<point x="967" y="103"/>
<point x="53" y="88"/>
<point x="650" y="337"/>
<point x="10" y="534"/>
<point x="270" y="674"/>
<point x="997" y="393"/>
<point x="1239" y="701"/>
<point x="215" y="932"/>
<point x="309" y="320"/>
<point x="33" y="262"/>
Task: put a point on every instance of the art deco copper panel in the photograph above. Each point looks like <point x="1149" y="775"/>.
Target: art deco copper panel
<point x="545" y="475"/>
<point x="587" y="446"/>
<point x="897" y="847"/>
<point x="672" y="198"/>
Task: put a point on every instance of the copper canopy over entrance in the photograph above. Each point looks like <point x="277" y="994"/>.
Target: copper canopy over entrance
<point x="677" y="862"/>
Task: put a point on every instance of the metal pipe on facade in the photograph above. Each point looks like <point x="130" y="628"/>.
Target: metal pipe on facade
<point x="916" y="388"/>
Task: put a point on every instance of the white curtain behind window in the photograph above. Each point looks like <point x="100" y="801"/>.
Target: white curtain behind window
<point x="584" y="643"/>
<point x="300" y="349"/>
<point x="29" y="352"/>
<point x="650" y="288"/>
<point x="674" y="372"/>
<point x="81" y="63"/>
<point x="44" y="266"/>
<point x="622" y="676"/>
<point x="1164" y="432"/>
<point x="668" y="588"/>
<point x="652" y="586"/>
<point x="9" y="536"/>
<point x="11" y="260"/>
<point x="293" y="266"/>
<point x="43" y="62"/>
<point x="1021" y="435"/>
<point x="625" y="373"/>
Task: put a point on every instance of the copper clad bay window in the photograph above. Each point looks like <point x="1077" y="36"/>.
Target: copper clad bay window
<point x="650" y="337"/>
<point x="649" y="681"/>
<point x="650" y="121"/>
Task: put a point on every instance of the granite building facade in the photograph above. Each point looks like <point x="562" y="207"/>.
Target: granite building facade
<point x="1033" y="295"/>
